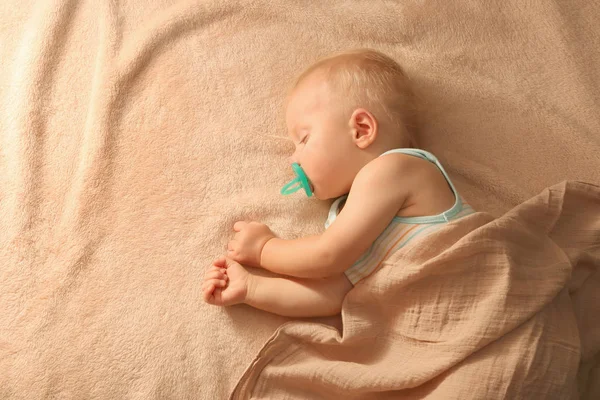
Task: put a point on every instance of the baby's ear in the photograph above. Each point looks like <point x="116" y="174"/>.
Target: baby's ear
<point x="364" y="127"/>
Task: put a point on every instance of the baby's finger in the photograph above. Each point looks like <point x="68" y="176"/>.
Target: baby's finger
<point x="215" y="274"/>
<point x="229" y="261"/>
<point x="214" y="271"/>
<point x="214" y="281"/>
<point x="206" y="285"/>
<point x="214" y="268"/>
<point x="239" y="225"/>
<point x="218" y="296"/>
<point x="217" y="282"/>
<point x="219" y="262"/>
<point x="207" y="293"/>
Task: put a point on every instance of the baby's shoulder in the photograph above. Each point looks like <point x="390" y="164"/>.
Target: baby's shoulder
<point x="397" y="165"/>
<point x="399" y="172"/>
<point x="388" y="172"/>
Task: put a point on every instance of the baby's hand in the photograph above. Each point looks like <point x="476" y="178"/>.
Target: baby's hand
<point x="225" y="283"/>
<point x="247" y="244"/>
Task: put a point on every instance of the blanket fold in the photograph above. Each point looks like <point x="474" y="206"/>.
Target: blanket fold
<point x="482" y="308"/>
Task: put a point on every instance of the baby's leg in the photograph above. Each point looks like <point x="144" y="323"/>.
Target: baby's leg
<point x="297" y="297"/>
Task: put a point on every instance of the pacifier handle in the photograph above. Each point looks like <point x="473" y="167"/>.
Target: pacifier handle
<point x="291" y="187"/>
<point x="301" y="181"/>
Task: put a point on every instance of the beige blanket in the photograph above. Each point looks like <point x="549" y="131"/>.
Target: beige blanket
<point x="134" y="133"/>
<point x="481" y="309"/>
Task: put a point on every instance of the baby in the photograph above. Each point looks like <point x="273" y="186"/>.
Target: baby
<point x="350" y="117"/>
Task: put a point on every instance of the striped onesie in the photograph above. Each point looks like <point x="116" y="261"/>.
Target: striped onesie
<point x="402" y="229"/>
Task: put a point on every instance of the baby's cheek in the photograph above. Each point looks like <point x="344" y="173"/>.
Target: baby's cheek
<point x="321" y="179"/>
<point x="318" y="168"/>
<point x="314" y="175"/>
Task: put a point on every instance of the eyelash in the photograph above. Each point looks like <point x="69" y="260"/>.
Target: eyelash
<point x="304" y="139"/>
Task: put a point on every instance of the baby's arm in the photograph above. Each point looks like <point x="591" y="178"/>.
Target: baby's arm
<point x="376" y="196"/>
<point x="227" y="282"/>
<point x="298" y="297"/>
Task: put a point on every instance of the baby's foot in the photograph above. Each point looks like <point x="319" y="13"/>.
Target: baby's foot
<point x="225" y="283"/>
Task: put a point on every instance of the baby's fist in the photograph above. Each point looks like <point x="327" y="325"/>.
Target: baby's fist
<point x="225" y="283"/>
<point x="248" y="242"/>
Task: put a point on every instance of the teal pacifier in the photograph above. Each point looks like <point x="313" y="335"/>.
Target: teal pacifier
<point x="301" y="181"/>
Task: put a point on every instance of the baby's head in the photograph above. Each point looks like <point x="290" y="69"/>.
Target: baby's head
<point x="344" y="111"/>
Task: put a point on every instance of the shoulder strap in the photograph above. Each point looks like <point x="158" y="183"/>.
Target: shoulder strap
<point x="431" y="158"/>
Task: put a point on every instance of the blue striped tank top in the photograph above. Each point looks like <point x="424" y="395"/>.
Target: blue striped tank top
<point x="402" y="229"/>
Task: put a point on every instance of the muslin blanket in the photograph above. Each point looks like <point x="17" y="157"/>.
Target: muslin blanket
<point x="480" y="309"/>
<point x="134" y="133"/>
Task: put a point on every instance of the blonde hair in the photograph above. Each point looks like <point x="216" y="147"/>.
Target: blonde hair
<point x="370" y="79"/>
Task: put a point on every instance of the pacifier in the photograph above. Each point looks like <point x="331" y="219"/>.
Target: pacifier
<point x="301" y="181"/>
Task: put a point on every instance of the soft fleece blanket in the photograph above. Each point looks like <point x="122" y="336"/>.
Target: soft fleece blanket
<point x="480" y="309"/>
<point x="134" y="133"/>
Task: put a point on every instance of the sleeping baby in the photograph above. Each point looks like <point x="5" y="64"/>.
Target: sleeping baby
<point x="350" y="117"/>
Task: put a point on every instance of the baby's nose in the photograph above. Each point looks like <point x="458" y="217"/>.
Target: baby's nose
<point x="292" y="159"/>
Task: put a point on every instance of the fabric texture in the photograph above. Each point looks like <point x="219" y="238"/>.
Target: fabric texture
<point x="479" y="309"/>
<point x="133" y="134"/>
